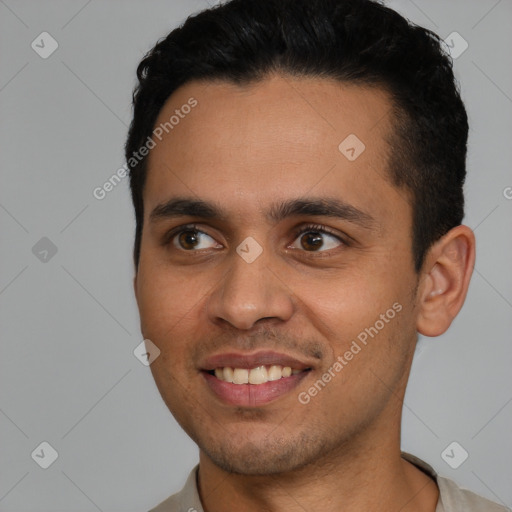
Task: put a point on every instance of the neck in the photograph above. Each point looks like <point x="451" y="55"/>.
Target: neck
<point x="363" y="476"/>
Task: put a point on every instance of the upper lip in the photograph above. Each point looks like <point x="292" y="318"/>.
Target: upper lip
<point x="252" y="360"/>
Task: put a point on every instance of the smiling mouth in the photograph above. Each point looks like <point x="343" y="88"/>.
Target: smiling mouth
<point x="256" y="376"/>
<point x="253" y="379"/>
<point x="253" y="387"/>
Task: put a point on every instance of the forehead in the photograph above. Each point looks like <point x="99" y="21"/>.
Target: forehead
<point x="278" y="138"/>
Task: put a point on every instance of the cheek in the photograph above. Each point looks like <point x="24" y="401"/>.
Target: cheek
<point x="165" y="299"/>
<point x="347" y="302"/>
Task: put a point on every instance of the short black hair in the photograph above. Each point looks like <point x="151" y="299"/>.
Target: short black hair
<point x="360" y="42"/>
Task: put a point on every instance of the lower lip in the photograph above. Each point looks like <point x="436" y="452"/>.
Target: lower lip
<point x="251" y="395"/>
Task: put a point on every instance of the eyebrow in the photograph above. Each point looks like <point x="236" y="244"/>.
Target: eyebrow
<point x="325" y="207"/>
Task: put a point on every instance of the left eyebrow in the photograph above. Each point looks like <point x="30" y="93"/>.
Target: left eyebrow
<point x="324" y="207"/>
<point x="320" y="207"/>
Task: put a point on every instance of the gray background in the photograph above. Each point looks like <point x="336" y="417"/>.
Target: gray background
<point x="69" y="324"/>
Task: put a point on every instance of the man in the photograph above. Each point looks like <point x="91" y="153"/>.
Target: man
<point x="297" y="171"/>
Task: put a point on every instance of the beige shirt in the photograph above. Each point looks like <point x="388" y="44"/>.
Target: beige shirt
<point x="451" y="497"/>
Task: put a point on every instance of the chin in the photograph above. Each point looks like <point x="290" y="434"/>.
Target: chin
<point x="253" y="462"/>
<point x="269" y="456"/>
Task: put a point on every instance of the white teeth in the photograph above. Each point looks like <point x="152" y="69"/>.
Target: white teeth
<point x="228" y="374"/>
<point x="241" y="376"/>
<point x="275" y="372"/>
<point x="258" y="375"/>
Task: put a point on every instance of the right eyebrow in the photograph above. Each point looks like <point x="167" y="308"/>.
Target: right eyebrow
<point x="183" y="207"/>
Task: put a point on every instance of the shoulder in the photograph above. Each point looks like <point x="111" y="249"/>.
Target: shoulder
<point x="454" y="499"/>
<point x="171" y="504"/>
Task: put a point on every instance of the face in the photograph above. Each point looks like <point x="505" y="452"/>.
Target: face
<point x="276" y="273"/>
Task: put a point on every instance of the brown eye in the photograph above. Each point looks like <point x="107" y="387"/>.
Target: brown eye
<point x="193" y="239"/>
<point x="311" y="241"/>
<point x="188" y="239"/>
<point x="314" y="239"/>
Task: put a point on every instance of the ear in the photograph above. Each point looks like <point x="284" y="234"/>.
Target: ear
<point x="445" y="280"/>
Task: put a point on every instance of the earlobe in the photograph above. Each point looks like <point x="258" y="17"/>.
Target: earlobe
<point x="445" y="281"/>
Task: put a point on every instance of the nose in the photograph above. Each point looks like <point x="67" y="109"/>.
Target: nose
<point x="249" y="292"/>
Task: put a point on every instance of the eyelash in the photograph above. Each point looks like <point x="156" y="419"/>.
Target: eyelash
<point x="168" y="237"/>
<point x="316" y="228"/>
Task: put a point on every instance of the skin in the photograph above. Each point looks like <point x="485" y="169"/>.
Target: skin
<point x="244" y="149"/>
